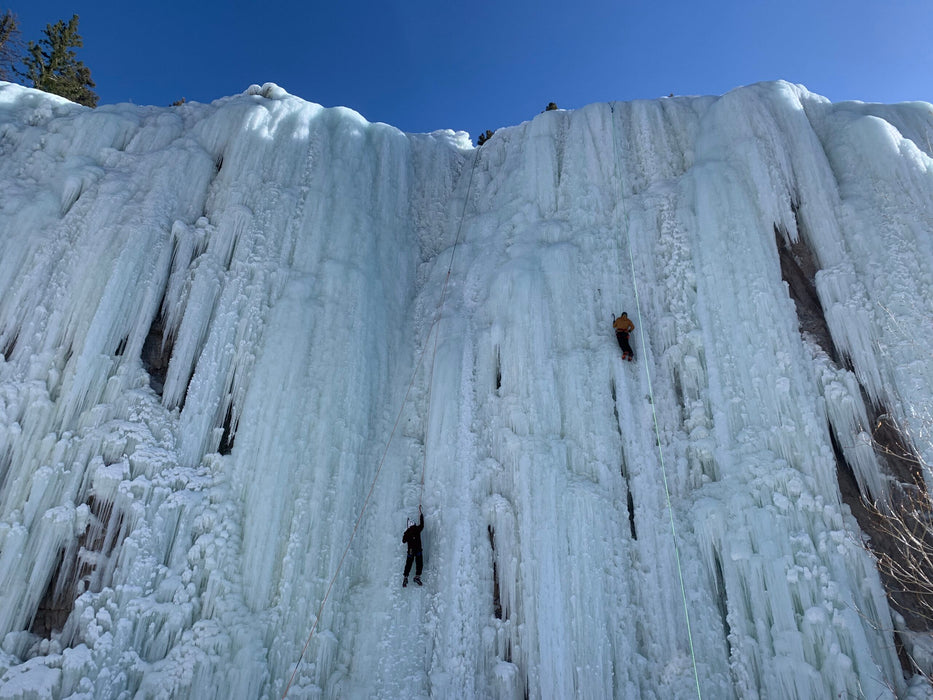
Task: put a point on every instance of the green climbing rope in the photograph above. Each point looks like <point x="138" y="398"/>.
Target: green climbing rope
<point x="654" y="414"/>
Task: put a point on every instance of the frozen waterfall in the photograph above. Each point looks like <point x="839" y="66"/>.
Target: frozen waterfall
<point x="213" y="317"/>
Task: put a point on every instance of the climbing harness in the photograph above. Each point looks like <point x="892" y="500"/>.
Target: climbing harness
<point x="432" y="329"/>
<point x="654" y="413"/>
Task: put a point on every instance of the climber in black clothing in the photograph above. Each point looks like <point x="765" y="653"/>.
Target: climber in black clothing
<point x="412" y="538"/>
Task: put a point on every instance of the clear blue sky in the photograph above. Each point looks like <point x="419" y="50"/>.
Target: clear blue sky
<point x="422" y="65"/>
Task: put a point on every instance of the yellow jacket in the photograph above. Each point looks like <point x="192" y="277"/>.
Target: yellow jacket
<point x="623" y="323"/>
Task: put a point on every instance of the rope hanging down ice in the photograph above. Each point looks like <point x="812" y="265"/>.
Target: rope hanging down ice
<point x="437" y="318"/>
<point x="372" y="487"/>
<point x="654" y="413"/>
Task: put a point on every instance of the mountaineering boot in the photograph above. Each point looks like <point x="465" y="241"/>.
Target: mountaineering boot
<point x="418" y="580"/>
<point x="405" y="582"/>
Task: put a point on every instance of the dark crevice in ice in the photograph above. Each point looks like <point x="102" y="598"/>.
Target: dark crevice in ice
<point x="894" y="447"/>
<point x="679" y="393"/>
<point x="799" y="269"/>
<point x="9" y="346"/>
<point x="722" y="601"/>
<point x="496" y="602"/>
<point x="615" y="406"/>
<point x="229" y="434"/>
<point x="53" y="610"/>
<point x="899" y="533"/>
<point x="82" y="565"/>
<point x="629" y="499"/>
<point x="157" y="353"/>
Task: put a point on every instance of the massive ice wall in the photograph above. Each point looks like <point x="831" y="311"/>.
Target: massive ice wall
<point x="222" y="336"/>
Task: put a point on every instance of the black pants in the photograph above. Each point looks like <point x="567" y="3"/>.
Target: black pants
<point x="622" y="337"/>
<point x="417" y="558"/>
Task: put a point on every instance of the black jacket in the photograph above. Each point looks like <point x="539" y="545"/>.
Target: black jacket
<point x="412" y="537"/>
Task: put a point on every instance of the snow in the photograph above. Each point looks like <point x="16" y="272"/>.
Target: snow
<point x="172" y="531"/>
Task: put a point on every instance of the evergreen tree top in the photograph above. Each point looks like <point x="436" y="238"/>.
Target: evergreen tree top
<point x="53" y="66"/>
<point x="9" y="45"/>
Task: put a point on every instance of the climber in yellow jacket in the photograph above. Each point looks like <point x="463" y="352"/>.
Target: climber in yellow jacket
<point x="623" y="326"/>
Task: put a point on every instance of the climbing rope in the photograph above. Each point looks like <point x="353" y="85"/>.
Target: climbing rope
<point x="437" y="318"/>
<point x="398" y="418"/>
<point x="654" y="414"/>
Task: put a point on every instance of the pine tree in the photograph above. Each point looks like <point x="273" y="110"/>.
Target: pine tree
<point x="10" y="45"/>
<point x="52" y="65"/>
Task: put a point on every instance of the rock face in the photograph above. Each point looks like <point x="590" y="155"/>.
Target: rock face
<point x="242" y="342"/>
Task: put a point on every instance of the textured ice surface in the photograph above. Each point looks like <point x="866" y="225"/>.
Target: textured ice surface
<point x="210" y="316"/>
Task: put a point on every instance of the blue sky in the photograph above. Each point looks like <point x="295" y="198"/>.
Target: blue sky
<point x="423" y="65"/>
